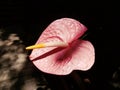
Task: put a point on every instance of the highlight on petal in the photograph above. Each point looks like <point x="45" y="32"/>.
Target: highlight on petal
<point x="63" y="30"/>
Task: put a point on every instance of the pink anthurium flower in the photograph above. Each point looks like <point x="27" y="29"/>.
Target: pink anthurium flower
<point x="59" y="51"/>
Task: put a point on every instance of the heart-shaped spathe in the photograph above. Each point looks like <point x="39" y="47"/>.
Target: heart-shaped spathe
<point x="79" y="55"/>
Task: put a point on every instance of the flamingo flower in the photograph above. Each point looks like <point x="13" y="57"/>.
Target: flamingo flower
<point x="59" y="50"/>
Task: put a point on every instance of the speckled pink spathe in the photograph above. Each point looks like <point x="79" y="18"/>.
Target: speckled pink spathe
<point x="61" y="61"/>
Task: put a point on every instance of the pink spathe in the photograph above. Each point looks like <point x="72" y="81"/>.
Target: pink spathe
<point x="79" y="55"/>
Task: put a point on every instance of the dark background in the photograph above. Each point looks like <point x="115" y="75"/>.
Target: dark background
<point x="29" y="19"/>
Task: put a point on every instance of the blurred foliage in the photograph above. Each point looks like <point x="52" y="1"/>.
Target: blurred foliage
<point x="16" y="72"/>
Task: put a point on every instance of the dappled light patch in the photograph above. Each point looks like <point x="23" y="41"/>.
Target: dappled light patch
<point x="12" y="59"/>
<point x="16" y="73"/>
